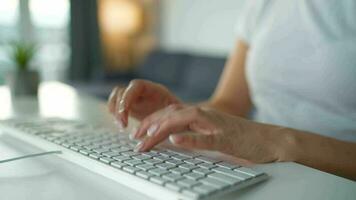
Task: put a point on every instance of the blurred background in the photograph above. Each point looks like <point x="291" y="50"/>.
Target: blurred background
<point x="94" y="45"/>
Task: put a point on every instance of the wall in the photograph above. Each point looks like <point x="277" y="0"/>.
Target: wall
<point x="199" y="26"/>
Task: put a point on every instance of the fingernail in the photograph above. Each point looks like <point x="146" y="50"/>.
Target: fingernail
<point x="175" y="139"/>
<point x="133" y="132"/>
<point x="119" y="125"/>
<point x="152" y="130"/>
<point x="139" y="147"/>
<point x="132" y="137"/>
<point x="121" y="106"/>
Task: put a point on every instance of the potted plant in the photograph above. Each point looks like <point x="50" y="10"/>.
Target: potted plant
<point x="23" y="81"/>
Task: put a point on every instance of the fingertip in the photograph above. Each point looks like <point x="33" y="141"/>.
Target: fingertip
<point x="176" y="139"/>
<point x="119" y="124"/>
<point x="139" y="147"/>
<point x="122" y="107"/>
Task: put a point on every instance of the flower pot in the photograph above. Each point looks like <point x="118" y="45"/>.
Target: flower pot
<point x="23" y="83"/>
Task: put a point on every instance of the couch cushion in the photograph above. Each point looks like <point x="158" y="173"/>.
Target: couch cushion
<point x="202" y="75"/>
<point x="163" y="67"/>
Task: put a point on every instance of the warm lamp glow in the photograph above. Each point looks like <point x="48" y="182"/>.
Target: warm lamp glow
<point x="120" y="16"/>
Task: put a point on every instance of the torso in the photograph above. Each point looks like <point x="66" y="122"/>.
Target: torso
<point x="301" y="66"/>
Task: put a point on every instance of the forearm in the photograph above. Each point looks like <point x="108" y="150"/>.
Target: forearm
<point x="227" y="108"/>
<point x="316" y="151"/>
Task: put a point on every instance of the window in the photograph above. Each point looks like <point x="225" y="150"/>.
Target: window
<point x="8" y="30"/>
<point x="50" y="21"/>
<point x="43" y="22"/>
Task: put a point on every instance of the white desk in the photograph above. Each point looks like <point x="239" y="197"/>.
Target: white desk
<point x="52" y="178"/>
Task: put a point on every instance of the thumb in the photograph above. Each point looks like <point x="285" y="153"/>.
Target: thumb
<point x="197" y="141"/>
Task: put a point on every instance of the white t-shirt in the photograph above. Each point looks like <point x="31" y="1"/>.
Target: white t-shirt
<point x="301" y="65"/>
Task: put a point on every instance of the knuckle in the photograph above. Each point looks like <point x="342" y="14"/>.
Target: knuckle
<point x="210" y="140"/>
<point x="174" y="107"/>
<point x="166" y="123"/>
<point x="136" y="82"/>
<point x="193" y="141"/>
<point x="196" y="111"/>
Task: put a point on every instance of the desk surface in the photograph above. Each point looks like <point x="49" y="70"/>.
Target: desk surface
<point x="52" y="178"/>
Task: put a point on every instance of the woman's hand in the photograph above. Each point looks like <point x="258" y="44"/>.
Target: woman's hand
<point x="139" y="99"/>
<point x="214" y="130"/>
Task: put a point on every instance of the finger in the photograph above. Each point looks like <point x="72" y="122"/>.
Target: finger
<point x="197" y="141"/>
<point x="118" y="117"/>
<point x="178" y="121"/>
<point x="132" y="92"/>
<point x="112" y="100"/>
<point x="150" y="124"/>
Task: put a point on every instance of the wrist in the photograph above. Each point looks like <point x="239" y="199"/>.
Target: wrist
<point x="287" y="144"/>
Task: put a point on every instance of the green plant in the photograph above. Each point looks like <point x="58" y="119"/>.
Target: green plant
<point x="22" y="54"/>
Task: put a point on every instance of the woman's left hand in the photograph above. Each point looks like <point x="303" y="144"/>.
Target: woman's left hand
<point x="214" y="130"/>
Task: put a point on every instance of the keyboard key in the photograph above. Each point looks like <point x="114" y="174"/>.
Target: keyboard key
<point x="206" y="165"/>
<point x="188" y="166"/>
<point x="206" y="159"/>
<point x="152" y="161"/>
<point x="172" y="177"/>
<point x="248" y="171"/>
<point x="174" y="161"/>
<point x="95" y="155"/>
<point x="187" y="182"/>
<point x="180" y="157"/>
<point x="166" y="153"/>
<point x="166" y="165"/>
<point x="158" y="171"/>
<point x="225" y="178"/>
<point x="76" y="147"/>
<point x="158" y="180"/>
<point x="174" y="186"/>
<point x="113" y="146"/>
<point x="227" y="165"/>
<point x="133" y="162"/>
<point x="85" y="151"/>
<point x="143" y="174"/>
<point x="101" y="150"/>
<point x="202" y="171"/>
<point x="66" y="144"/>
<point x="193" y="161"/>
<point x="214" y="183"/>
<point x="161" y="158"/>
<point x="204" y="189"/>
<point x="150" y="153"/>
<point x="179" y="170"/>
<point x="194" y="176"/>
<point x="118" y="164"/>
<point x="130" y="169"/>
<point x="122" y="149"/>
<point x="122" y="158"/>
<point x="232" y="173"/>
<point x="91" y="147"/>
<point x="145" y="167"/>
<point x="106" y="160"/>
<point x="141" y="157"/>
<point x="110" y="154"/>
<point x="129" y="153"/>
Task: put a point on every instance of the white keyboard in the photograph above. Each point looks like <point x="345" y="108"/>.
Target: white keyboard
<point x="159" y="173"/>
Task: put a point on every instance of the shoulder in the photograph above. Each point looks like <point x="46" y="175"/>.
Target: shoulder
<point x="250" y="17"/>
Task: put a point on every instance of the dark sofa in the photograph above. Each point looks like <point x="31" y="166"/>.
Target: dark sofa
<point x="191" y="77"/>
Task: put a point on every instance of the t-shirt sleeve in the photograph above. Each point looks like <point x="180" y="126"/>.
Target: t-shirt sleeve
<point x="248" y="19"/>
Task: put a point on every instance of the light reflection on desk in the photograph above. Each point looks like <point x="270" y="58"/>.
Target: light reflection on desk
<point x="5" y="103"/>
<point x="54" y="100"/>
<point x="58" y="100"/>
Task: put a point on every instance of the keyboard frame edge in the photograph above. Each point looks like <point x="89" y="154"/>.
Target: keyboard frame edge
<point x="153" y="191"/>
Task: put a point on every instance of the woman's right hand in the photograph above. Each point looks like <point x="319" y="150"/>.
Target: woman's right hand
<point x="139" y="99"/>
